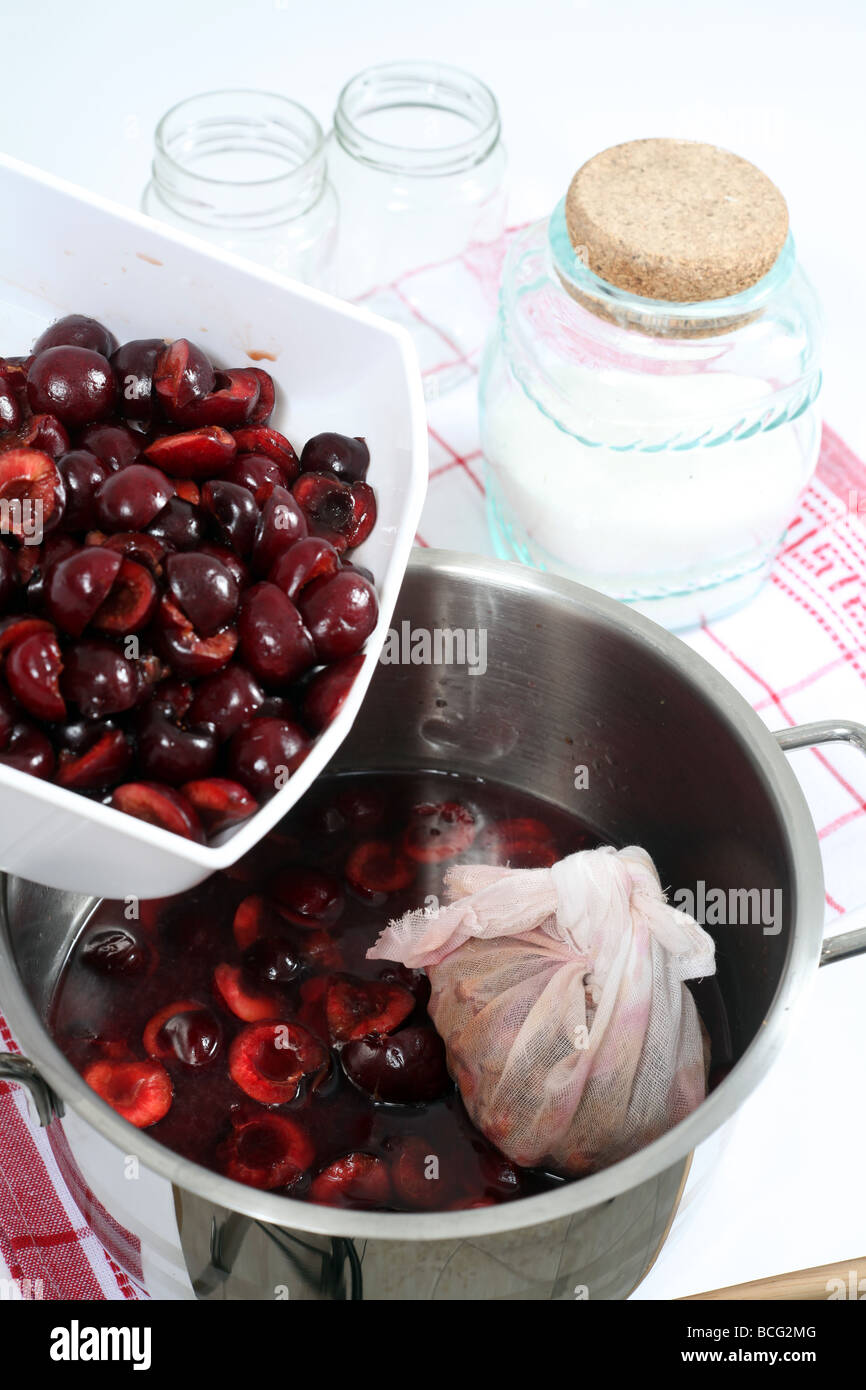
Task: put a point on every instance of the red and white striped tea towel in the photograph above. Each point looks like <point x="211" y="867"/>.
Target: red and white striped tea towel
<point x="797" y="653"/>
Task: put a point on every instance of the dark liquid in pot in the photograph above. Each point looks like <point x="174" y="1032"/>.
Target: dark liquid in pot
<point x="430" y="1156"/>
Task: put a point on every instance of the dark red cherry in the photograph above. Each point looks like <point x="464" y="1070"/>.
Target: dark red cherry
<point x="114" y="445"/>
<point x="132" y="498"/>
<point x="271" y="961"/>
<point x="83" y="474"/>
<point x="180" y="525"/>
<point x="99" y="679"/>
<point x="281" y="524"/>
<point x="116" y="951"/>
<point x="32" y="671"/>
<point x="308" y="559"/>
<point x="274" y="644"/>
<point x="258" y="474"/>
<point x="170" y="754"/>
<point x="340" y="612"/>
<point x="78" y="585"/>
<point x="100" y="761"/>
<point x="234" y="514"/>
<point x="77" y="330"/>
<point x="327" y="691"/>
<point x="28" y="750"/>
<point x="130" y="605"/>
<point x="182" y="376"/>
<point x="194" y="1036"/>
<point x="226" y="700"/>
<point x="264" y="754"/>
<point x="73" y="383"/>
<point x="403" y="1068"/>
<point x="205" y="589"/>
<point x="188" y="653"/>
<point x="134" y="364"/>
<point x="339" y="454"/>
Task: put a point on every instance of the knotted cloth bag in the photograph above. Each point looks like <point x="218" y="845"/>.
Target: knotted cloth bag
<point x="559" y="996"/>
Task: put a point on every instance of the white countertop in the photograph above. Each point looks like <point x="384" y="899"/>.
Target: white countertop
<point x="779" y="81"/>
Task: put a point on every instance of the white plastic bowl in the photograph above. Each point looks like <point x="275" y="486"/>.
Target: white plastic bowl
<point x="337" y="368"/>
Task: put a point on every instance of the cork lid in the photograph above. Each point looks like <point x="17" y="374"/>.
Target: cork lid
<point x="675" y="220"/>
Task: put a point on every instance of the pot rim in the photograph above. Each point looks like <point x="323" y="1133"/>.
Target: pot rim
<point x="803" y="953"/>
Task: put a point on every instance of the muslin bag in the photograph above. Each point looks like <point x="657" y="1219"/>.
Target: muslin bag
<point x="559" y="996"/>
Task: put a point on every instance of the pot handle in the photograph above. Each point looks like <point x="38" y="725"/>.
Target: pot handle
<point x="14" y="1067"/>
<point x="852" y="942"/>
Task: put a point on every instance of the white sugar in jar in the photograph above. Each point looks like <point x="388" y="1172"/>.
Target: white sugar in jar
<point x="653" y="448"/>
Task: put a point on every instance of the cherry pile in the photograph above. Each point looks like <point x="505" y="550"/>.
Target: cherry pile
<point x="189" y="621"/>
<point x="243" y="1024"/>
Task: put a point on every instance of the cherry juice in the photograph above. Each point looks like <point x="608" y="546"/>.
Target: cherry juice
<point x="243" y="1026"/>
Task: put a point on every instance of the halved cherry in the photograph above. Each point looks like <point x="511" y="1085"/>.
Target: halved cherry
<point x="305" y="560"/>
<point x="103" y="764"/>
<point x="307" y="897"/>
<point x="201" y="453"/>
<point x="281" y="524"/>
<point x="154" y="1046"/>
<point x="438" y="830"/>
<point x="361" y="1008"/>
<point x="45" y="432"/>
<point x="33" y="669"/>
<point x="328" y="506"/>
<point x="364" y="513"/>
<point x="231" y="404"/>
<point x="160" y="806"/>
<point x="231" y="987"/>
<point x="320" y="951"/>
<point x="267" y="1151"/>
<point x="260" y="439"/>
<point x="185" y="1031"/>
<point x="131" y="603"/>
<point x="204" y="589"/>
<point x="182" y="375"/>
<point x="15" y="628"/>
<point x="227" y="700"/>
<point x="256" y="916"/>
<point x="404" y="1068"/>
<point x="356" y="1180"/>
<point x="187" y="491"/>
<point x="78" y="586"/>
<point x="419" y="1181"/>
<point x="219" y="802"/>
<point x="114" y="445"/>
<point x="375" y="867"/>
<point x="327" y="691"/>
<point x="139" y="546"/>
<point x="270" y="1060"/>
<point x="139" y="1091"/>
<point x="264" y="408"/>
<point x="259" y="474"/>
<point x="189" y="654"/>
<point x="29" y="477"/>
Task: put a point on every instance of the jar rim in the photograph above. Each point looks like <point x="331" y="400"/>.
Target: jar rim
<point x="285" y="104"/>
<point x="401" y="83"/>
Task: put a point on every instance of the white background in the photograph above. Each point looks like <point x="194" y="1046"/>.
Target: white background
<point x="779" y="82"/>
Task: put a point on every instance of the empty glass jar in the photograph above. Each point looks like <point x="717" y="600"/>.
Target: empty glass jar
<point x="419" y="167"/>
<point x="247" y="171"/>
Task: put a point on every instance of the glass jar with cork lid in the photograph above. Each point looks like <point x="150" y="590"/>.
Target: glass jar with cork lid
<point x="647" y="397"/>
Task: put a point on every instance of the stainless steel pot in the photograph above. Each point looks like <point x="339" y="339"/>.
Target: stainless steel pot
<point x="677" y="762"/>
